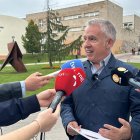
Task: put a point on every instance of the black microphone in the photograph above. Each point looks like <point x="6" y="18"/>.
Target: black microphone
<point x="95" y="77"/>
<point x="124" y="77"/>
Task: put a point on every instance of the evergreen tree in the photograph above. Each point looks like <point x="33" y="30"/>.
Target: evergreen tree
<point x="32" y="38"/>
<point x="55" y="39"/>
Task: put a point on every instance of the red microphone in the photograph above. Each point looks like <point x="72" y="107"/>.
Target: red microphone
<point x="66" y="82"/>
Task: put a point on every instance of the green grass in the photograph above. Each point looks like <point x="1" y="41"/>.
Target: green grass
<point x="8" y="74"/>
<point x="137" y="65"/>
<point x="29" y="58"/>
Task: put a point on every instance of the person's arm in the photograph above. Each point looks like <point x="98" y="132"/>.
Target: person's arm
<point x="36" y="81"/>
<point x="44" y="122"/>
<point x="16" y="109"/>
<point x="18" y="89"/>
<point x="68" y="116"/>
<point x="135" y="114"/>
<point x="10" y="90"/>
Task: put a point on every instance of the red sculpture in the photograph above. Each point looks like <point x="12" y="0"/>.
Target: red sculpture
<point x="14" y="58"/>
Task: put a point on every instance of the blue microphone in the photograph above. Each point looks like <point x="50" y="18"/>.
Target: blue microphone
<point x="75" y="63"/>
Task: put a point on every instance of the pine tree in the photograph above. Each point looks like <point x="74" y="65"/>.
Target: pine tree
<point x="32" y="38"/>
<point x="55" y="39"/>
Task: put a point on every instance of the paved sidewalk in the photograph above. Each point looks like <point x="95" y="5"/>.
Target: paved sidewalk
<point x="128" y="57"/>
<point x="57" y="132"/>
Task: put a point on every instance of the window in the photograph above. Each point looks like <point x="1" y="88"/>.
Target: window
<point x="40" y="23"/>
<point x="92" y="14"/>
<point x="58" y="18"/>
<point x="72" y="17"/>
<point x="75" y="29"/>
<point x="128" y="25"/>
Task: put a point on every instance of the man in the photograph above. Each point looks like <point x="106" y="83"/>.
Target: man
<point x="18" y="89"/>
<point x="99" y="104"/>
<point x="13" y="108"/>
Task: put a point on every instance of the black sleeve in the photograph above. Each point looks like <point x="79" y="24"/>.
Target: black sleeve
<point x="16" y="109"/>
<point x="10" y="90"/>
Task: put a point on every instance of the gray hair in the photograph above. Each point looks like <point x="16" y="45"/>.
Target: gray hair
<point x="106" y="26"/>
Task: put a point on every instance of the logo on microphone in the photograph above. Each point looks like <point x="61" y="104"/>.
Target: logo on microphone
<point x="72" y="64"/>
<point x="74" y="76"/>
<point x="121" y="69"/>
<point x="115" y="78"/>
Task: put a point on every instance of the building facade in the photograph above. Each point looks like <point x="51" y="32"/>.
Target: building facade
<point x="131" y="31"/>
<point x="77" y="16"/>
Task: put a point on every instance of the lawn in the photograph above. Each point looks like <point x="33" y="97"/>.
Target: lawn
<point x="8" y="74"/>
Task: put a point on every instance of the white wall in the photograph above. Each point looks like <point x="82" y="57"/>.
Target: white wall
<point x="11" y="26"/>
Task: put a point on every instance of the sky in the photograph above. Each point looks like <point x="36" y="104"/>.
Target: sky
<point x="19" y="8"/>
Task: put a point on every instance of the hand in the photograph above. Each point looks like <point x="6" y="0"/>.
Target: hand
<point x="46" y="97"/>
<point x="114" y="133"/>
<point x="36" y="81"/>
<point x="47" y="119"/>
<point x="75" y="125"/>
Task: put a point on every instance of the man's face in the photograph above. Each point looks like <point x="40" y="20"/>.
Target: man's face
<point x="96" y="44"/>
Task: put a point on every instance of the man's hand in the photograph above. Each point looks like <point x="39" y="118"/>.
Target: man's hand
<point x="36" y="81"/>
<point x="75" y="125"/>
<point x="46" y="97"/>
<point x="113" y="133"/>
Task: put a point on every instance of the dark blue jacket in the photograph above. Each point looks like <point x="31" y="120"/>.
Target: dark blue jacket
<point x="10" y="90"/>
<point x="99" y="102"/>
<point x="15" y="108"/>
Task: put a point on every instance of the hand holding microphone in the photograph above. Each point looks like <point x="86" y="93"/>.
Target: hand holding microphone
<point x="122" y="76"/>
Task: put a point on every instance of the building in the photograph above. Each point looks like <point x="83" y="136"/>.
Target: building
<point x="128" y="27"/>
<point x="11" y="28"/>
<point x="131" y="32"/>
<point x="75" y="17"/>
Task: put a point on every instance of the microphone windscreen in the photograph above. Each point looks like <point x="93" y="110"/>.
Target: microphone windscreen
<point x="65" y="81"/>
<point x="76" y="63"/>
<point x="80" y="76"/>
<point x="69" y="79"/>
<point x="121" y="76"/>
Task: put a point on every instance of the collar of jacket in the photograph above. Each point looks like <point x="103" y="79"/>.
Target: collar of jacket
<point x="105" y="72"/>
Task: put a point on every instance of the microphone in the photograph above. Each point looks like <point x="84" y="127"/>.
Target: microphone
<point x="66" y="82"/>
<point x="75" y="63"/>
<point x="95" y="77"/>
<point x="122" y="76"/>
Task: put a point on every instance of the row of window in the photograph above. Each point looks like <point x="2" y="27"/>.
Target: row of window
<point x="91" y="14"/>
<point x="42" y="22"/>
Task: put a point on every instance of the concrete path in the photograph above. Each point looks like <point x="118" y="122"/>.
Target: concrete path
<point x="128" y="57"/>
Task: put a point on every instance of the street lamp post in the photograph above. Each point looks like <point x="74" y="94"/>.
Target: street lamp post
<point x="13" y="37"/>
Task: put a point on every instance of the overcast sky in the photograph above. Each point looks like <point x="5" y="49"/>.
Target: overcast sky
<point x="19" y="8"/>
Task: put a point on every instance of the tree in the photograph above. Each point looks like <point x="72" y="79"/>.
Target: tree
<point x="55" y="38"/>
<point x="32" y="38"/>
